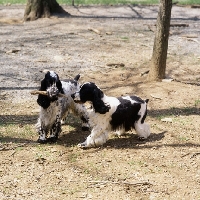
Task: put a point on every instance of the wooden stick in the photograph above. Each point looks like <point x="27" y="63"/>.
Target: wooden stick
<point x="145" y="72"/>
<point x="151" y="29"/>
<point x="95" y="30"/>
<point x="195" y="154"/>
<point x="34" y="92"/>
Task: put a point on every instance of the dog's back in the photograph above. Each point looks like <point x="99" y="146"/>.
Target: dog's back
<point x="71" y="86"/>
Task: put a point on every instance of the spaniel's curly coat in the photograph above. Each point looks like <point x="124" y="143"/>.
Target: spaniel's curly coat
<point x="54" y="108"/>
<point x="112" y="114"/>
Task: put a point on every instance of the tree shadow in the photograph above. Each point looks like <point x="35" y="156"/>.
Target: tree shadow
<point x="7" y="140"/>
<point x="18" y="119"/>
<point x="10" y="123"/>
<point x="134" y="14"/>
<point x="131" y="140"/>
<point x="174" y="112"/>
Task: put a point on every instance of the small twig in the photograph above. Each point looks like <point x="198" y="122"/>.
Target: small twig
<point x="115" y="182"/>
<point x="95" y="31"/>
<point x="155" y="97"/>
<point x="195" y="154"/>
<point x="145" y="72"/>
<point x="116" y="64"/>
<point x="185" y="155"/>
<point x="13" y="153"/>
<point x="192" y="156"/>
<point x="150" y="28"/>
<point x="190" y="36"/>
<point x="194" y="40"/>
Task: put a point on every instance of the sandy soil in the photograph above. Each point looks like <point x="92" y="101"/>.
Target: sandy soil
<point x="165" y="166"/>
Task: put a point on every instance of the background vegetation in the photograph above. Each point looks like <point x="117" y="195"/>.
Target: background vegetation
<point x="105" y="2"/>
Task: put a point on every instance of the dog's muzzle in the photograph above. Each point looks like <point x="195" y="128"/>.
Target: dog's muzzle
<point x="76" y="99"/>
<point x="53" y="92"/>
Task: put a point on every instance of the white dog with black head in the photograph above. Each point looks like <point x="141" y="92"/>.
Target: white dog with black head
<point x="54" y="109"/>
<point x="112" y="114"/>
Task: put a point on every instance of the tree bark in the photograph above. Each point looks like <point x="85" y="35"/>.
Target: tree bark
<point x="42" y="8"/>
<point x="159" y="56"/>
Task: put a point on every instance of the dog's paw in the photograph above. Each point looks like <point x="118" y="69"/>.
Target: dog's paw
<point x="82" y="145"/>
<point x="42" y="141"/>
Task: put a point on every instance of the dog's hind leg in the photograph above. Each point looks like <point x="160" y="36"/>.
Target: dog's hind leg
<point x="143" y="130"/>
<point x="55" y="130"/>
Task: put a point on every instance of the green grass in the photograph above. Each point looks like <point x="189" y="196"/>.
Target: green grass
<point x="105" y="2"/>
<point x="197" y="103"/>
<point x="13" y="132"/>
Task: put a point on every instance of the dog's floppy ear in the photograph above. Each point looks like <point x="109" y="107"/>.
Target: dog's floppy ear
<point x="43" y="100"/>
<point x="99" y="105"/>
<point x="59" y="86"/>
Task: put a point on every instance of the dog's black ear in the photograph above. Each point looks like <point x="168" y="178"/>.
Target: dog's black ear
<point x="43" y="100"/>
<point x="77" y="77"/>
<point x="99" y="105"/>
<point x="59" y="86"/>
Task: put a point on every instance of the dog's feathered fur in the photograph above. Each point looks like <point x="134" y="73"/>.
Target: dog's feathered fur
<point x="112" y="114"/>
<point x="54" y="109"/>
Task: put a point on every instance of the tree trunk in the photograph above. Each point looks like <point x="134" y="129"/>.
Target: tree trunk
<point x="159" y="56"/>
<point x="42" y="8"/>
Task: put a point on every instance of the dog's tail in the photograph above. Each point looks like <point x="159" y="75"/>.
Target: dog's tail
<point x="146" y="100"/>
<point x="77" y="77"/>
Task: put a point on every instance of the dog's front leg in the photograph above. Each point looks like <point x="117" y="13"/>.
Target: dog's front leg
<point x="55" y="130"/>
<point x="97" y="138"/>
<point x="42" y="131"/>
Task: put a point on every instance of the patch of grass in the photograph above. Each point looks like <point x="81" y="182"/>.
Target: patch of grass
<point x="197" y="103"/>
<point x="125" y="38"/>
<point x="72" y="157"/>
<point x="19" y="148"/>
<point x="162" y="116"/>
<point x="183" y="139"/>
<point x="12" y="132"/>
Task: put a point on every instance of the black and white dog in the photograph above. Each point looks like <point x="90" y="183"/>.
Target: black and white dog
<point x="112" y="114"/>
<point x="54" y="108"/>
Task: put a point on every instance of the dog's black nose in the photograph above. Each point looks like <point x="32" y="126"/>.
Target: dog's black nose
<point x="73" y="96"/>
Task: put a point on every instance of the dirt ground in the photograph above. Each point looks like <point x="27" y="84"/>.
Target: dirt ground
<point x="165" y="166"/>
